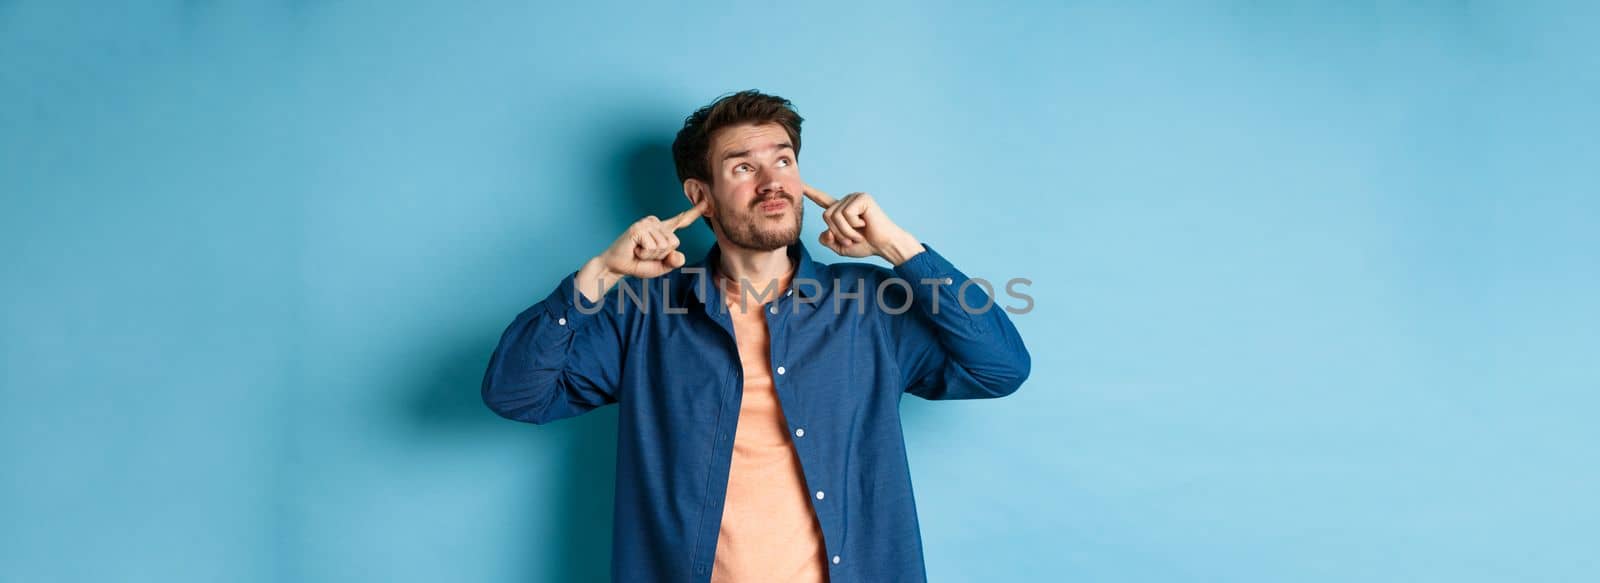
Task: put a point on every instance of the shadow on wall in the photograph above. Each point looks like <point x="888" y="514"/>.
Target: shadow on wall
<point x="651" y="180"/>
<point x="640" y="177"/>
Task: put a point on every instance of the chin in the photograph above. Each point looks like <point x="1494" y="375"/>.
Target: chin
<point x="763" y="237"/>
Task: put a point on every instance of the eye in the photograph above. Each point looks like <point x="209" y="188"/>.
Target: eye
<point x="784" y="161"/>
<point x="742" y="168"/>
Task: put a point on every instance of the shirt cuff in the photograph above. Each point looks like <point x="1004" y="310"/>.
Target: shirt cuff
<point x="567" y="307"/>
<point x="937" y="286"/>
<point x="928" y="264"/>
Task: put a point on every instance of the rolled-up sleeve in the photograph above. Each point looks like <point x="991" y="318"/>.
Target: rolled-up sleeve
<point x="955" y="342"/>
<point x="559" y="358"/>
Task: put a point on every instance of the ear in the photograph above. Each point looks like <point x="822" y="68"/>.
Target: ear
<point x="697" y="190"/>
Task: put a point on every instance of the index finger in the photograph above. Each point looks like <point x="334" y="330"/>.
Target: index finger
<point x="817" y="196"/>
<point x="687" y="217"/>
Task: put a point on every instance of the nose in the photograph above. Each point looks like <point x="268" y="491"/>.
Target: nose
<point x="767" y="183"/>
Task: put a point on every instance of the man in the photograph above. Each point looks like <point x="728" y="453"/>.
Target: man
<point x="759" y="435"/>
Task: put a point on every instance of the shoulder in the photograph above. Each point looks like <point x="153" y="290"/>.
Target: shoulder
<point x="867" y="282"/>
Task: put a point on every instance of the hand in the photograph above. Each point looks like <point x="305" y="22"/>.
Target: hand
<point x="649" y="248"/>
<point x="858" y="227"/>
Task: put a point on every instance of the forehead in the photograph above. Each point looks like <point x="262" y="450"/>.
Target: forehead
<point x="750" y="137"/>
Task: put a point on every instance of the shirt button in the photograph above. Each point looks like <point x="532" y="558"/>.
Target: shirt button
<point x="836" y="559"/>
<point x="819" y="494"/>
<point x="788" y="293"/>
<point x="562" y="321"/>
<point x="780" y="370"/>
<point x="948" y="281"/>
<point x="800" y="432"/>
<point x="773" y="309"/>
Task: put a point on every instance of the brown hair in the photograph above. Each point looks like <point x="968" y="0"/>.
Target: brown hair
<point x="691" y="150"/>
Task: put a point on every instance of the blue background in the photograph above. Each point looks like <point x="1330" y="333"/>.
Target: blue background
<point x="1315" y="283"/>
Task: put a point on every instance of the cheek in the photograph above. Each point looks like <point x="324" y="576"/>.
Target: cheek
<point x="736" y="197"/>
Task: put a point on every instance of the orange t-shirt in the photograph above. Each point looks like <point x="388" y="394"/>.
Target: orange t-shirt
<point x="769" y="532"/>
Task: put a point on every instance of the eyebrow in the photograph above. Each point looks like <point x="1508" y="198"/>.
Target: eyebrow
<point x="743" y="153"/>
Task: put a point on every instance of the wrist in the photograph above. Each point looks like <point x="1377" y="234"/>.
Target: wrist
<point x="902" y="249"/>
<point x="594" y="280"/>
<point x="596" y="266"/>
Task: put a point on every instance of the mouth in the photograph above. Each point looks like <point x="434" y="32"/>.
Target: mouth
<point x="774" y="206"/>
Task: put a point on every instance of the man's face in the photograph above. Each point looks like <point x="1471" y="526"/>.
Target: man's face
<point x="755" y="189"/>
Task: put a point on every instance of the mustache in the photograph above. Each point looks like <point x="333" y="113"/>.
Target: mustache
<point x="779" y="196"/>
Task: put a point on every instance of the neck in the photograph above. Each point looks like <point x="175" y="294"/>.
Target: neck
<point x="758" y="269"/>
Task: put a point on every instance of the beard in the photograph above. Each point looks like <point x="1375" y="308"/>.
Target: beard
<point x="751" y="230"/>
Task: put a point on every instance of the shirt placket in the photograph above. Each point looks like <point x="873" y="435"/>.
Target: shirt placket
<point x="722" y="450"/>
<point x="790" y="404"/>
<point x="790" y="400"/>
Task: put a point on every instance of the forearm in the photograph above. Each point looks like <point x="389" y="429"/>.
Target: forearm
<point x="963" y="344"/>
<point x="524" y="373"/>
<point x="557" y="359"/>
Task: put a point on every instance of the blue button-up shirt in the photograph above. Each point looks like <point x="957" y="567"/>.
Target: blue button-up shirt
<point x="847" y="341"/>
